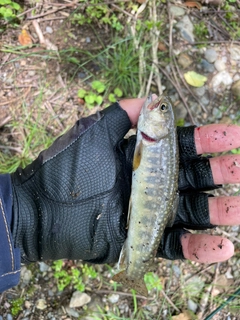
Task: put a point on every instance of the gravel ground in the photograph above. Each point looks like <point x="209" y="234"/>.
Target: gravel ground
<point x="45" y="88"/>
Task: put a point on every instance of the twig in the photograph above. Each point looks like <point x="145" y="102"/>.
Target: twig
<point x="227" y="234"/>
<point x="177" y="86"/>
<point x="27" y="11"/>
<point x="4" y="121"/>
<point x="5" y="59"/>
<point x="50" y="12"/>
<point x="11" y="148"/>
<point x="214" y="283"/>
<point x="38" y="32"/>
<point x="50" y="108"/>
<point x="121" y="10"/>
<point x="16" y="99"/>
<point x="122" y="294"/>
<point x="187" y="86"/>
<point x="169" y="301"/>
<point x="139" y="49"/>
<point x="154" y="38"/>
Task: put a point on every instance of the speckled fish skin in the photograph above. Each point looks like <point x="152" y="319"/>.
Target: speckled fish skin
<point x="154" y="196"/>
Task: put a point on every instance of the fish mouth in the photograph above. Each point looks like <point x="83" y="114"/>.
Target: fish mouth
<point x="147" y="138"/>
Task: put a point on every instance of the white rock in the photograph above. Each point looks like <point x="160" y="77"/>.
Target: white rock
<point x="235" y="52"/>
<point x="192" y="305"/>
<point x="113" y="298"/>
<point x="79" y="299"/>
<point x="221" y="81"/>
<point x="49" y="30"/>
<point x="220" y="65"/>
<point x="41" y="304"/>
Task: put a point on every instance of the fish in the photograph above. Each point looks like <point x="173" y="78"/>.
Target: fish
<point x="154" y="194"/>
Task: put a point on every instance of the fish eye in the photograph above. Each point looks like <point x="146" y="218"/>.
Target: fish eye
<point x="164" y="107"/>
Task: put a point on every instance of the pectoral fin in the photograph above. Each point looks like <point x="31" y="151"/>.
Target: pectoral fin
<point x="137" y="155"/>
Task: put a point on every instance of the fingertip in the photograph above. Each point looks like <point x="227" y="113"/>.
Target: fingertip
<point x="133" y="108"/>
<point x="205" y="248"/>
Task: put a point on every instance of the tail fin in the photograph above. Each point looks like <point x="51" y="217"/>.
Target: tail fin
<point x="138" y="284"/>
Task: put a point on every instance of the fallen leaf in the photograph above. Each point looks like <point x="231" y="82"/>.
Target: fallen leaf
<point x="162" y="46"/>
<point x="193" y="4"/>
<point x="183" y="316"/>
<point x="24" y="38"/>
<point x="195" y="79"/>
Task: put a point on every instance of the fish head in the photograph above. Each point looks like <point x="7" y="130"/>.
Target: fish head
<point x="156" y="119"/>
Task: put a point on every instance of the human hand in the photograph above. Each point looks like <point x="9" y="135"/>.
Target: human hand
<point x="196" y="209"/>
<point x="72" y="201"/>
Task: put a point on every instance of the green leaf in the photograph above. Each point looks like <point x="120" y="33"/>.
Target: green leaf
<point x="118" y="92"/>
<point x="99" y="99"/>
<point x="90" y="98"/>
<point x="112" y="98"/>
<point x="73" y="60"/>
<point x="81" y="93"/>
<point x="98" y="86"/>
<point x="2" y="2"/>
<point x="195" y="79"/>
<point x="15" y="5"/>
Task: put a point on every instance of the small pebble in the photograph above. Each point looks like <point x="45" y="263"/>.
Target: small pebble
<point x="43" y="267"/>
<point x="235" y="52"/>
<point x="81" y="75"/>
<point x="49" y="30"/>
<point x="210" y="55"/>
<point x="184" y="60"/>
<point x="177" y="11"/>
<point x="199" y="91"/>
<point x="113" y="298"/>
<point x="31" y="73"/>
<point x="220" y="65"/>
<point x="41" y="304"/>
<point x="71" y="312"/>
<point x="206" y="66"/>
<point x="192" y="306"/>
<point x="9" y="317"/>
<point x="88" y="39"/>
<point x="217" y="113"/>
<point x="236" y="89"/>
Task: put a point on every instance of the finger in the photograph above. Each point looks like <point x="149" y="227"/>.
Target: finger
<point x="205" y="248"/>
<point x="198" y="211"/>
<point x="133" y="107"/>
<point x="224" y="210"/>
<point x="216" y="138"/>
<point x="225" y="169"/>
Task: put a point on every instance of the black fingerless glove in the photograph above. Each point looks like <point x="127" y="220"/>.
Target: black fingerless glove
<point x="72" y="201"/>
